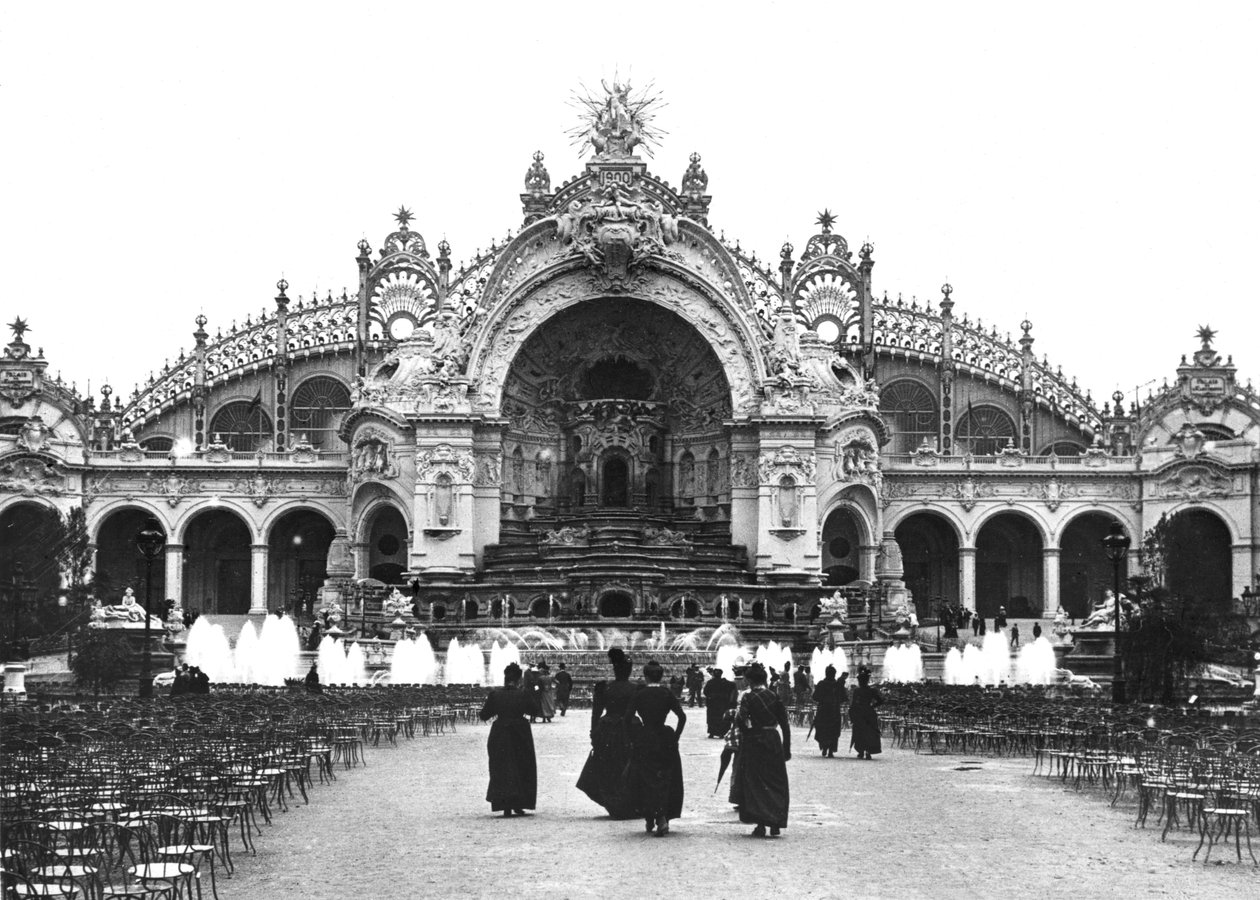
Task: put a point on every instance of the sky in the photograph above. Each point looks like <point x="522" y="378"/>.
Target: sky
<point x="1089" y="166"/>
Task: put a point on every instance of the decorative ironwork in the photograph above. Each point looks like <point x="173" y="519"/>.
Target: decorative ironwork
<point x="243" y="426"/>
<point x="912" y="413"/>
<point x="984" y="431"/>
<point x="316" y="410"/>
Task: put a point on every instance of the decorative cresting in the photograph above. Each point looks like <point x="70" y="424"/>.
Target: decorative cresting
<point x="827" y="288"/>
<point x="618" y="121"/>
<point x="402" y="286"/>
<point x="1206" y="387"/>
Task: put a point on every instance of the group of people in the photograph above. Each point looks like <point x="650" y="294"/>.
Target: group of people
<point x="190" y="680"/>
<point x="830" y="697"/>
<point x="549" y="693"/>
<point x="634" y="769"/>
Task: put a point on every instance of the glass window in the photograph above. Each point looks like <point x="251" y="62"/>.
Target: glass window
<point x="243" y="426"/>
<point x="911" y="410"/>
<point x="984" y="431"/>
<point x="316" y="411"/>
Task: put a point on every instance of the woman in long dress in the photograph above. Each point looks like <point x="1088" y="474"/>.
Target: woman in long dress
<point x="829" y="695"/>
<point x="546" y="693"/>
<point x="604" y="777"/>
<point x="513" y="767"/>
<point x="760" y="785"/>
<point x="655" y="765"/>
<point x="863" y="718"/>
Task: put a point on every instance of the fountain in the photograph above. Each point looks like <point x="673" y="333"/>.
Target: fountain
<point x="903" y="663"/>
<point x="464" y="664"/>
<point x="823" y="657"/>
<point x="266" y="658"/>
<point x="1036" y="663"/>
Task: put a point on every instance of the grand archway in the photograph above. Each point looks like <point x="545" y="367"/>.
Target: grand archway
<point x="387" y="545"/>
<point x="31" y="540"/>
<point x="929" y="552"/>
<point x="119" y="564"/>
<point x="297" y="559"/>
<point x="217" y="563"/>
<point x="1084" y="569"/>
<point x="841" y="548"/>
<point x="1197" y="554"/>
<point x="1009" y="567"/>
<point x="625" y="400"/>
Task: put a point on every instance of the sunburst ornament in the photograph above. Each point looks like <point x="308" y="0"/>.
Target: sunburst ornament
<point x="1206" y="334"/>
<point x="826" y="220"/>
<point x="617" y="119"/>
<point x="403" y="216"/>
<point x="19" y="327"/>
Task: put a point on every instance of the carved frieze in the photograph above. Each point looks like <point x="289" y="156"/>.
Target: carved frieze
<point x="172" y="486"/>
<point x="1054" y="492"/>
<point x="857" y="458"/>
<point x="786" y="461"/>
<point x="371" y="457"/>
<point x="743" y="470"/>
<point x="488" y="469"/>
<point x="567" y="536"/>
<point x="31" y="476"/>
<point x="444" y="458"/>
<point x="1194" y="482"/>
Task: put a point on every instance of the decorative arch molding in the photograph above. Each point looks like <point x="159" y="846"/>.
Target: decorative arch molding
<point x="859" y="501"/>
<point x="893" y="522"/>
<point x="356" y="417"/>
<point x="37" y="500"/>
<point x="849" y="418"/>
<point x="1060" y="526"/>
<point x="1236" y="536"/>
<point x="97" y="514"/>
<point x="361" y="517"/>
<point x="1044" y="528"/>
<point x="216" y="505"/>
<point x="268" y="523"/>
<point x="719" y="322"/>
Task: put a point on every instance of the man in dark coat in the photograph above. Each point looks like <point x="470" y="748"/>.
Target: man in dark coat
<point x="695" y="684"/>
<point x="719" y="698"/>
<point x="564" y="689"/>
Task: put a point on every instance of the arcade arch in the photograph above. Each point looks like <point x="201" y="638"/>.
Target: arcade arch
<point x="29" y="533"/>
<point x="1084" y="569"/>
<point x="1198" y="555"/>
<point x="1009" y="569"/>
<point x="616" y="605"/>
<point x="217" y="563"/>
<point x="929" y="553"/>
<point x="119" y="564"/>
<point x="297" y="558"/>
<point x="387" y="544"/>
<point x="842" y="539"/>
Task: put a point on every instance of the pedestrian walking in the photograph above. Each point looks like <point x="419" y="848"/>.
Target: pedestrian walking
<point x="546" y="693"/>
<point x="1015" y="636"/>
<point x="863" y="718"/>
<point x="695" y="685"/>
<point x="564" y="689"/>
<point x="829" y="697"/>
<point x="603" y="777"/>
<point x="759" y="784"/>
<point x="655" y="765"/>
<point x="719" y="699"/>
<point x="513" y="766"/>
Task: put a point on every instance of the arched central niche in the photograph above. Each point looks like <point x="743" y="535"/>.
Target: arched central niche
<point x="615" y="403"/>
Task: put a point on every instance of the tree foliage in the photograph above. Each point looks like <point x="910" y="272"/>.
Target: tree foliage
<point x="101" y="659"/>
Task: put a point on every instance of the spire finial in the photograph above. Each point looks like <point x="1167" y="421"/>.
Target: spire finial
<point x="403" y="216"/>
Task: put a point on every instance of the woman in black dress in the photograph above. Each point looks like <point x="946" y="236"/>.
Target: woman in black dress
<point x="603" y="778"/>
<point x="829" y="694"/>
<point x="513" y="768"/>
<point x="863" y="718"/>
<point x="760" y="786"/>
<point x="656" y="767"/>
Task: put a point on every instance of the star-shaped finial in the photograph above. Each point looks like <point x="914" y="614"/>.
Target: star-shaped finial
<point x="1205" y="335"/>
<point x="403" y="216"/>
<point x="19" y="327"/>
<point x="826" y="220"/>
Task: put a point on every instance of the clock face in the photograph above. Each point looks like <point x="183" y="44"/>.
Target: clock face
<point x="401" y="327"/>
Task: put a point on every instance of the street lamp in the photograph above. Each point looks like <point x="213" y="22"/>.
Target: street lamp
<point x="149" y="542"/>
<point x="1116" y="543"/>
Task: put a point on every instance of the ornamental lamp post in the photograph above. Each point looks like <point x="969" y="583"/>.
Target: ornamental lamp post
<point x="1116" y="544"/>
<point x="150" y="542"/>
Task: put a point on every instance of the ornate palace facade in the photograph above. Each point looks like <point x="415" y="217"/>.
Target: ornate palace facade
<point x="616" y="411"/>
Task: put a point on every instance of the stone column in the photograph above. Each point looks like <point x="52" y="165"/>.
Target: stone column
<point x="867" y="555"/>
<point x="258" y="579"/>
<point x="967" y="577"/>
<point x="1050" y="581"/>
<point x="175" y="574"/>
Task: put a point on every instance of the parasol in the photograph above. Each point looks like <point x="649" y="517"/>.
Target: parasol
<point x="728" y="753"/>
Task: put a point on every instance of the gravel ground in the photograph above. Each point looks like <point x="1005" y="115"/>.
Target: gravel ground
<point x="414" y="823"/>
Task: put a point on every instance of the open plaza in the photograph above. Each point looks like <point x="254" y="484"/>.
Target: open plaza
<point x="407" y="589"/>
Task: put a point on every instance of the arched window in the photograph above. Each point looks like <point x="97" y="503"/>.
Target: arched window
<point x="1215" y="432"/>
<point x="158" y="444"/>
<point x="984" y="431"/>
<point x="1065" y="448"/>
<point x="243" y="426"/>
<point x="318" y="404"/>
<point x="911" y="410"/>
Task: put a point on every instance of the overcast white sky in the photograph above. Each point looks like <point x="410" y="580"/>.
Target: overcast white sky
<point x="1089" y="165"/>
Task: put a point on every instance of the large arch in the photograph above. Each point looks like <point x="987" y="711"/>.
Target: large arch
<point x="1084" y="569"/>
<point x="843" y="534"/>
<point x="29" y="551"/>
<point x="386" y="535"/>
<point x="515" y="319"/>
<point x="929" y="553"/>
<point x="119" y="564"/>
<point x="1009" y="568"/>
<point x="217" y="560"/>
<point x="297" y="557"/>
<point x="1198" y="555"/>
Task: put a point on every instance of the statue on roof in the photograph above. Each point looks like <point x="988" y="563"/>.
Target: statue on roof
<point x="618" y="122"/>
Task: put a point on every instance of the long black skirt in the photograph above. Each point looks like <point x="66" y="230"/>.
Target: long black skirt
<point x="827" y="728"/>
<point x="759" y="785"/>
<point x="864" y="721"/>
<point x="605" y="777"/>
<point x="513" y="768"/>
<point x="656" y="772"/>
<point x="717" y="721"/>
